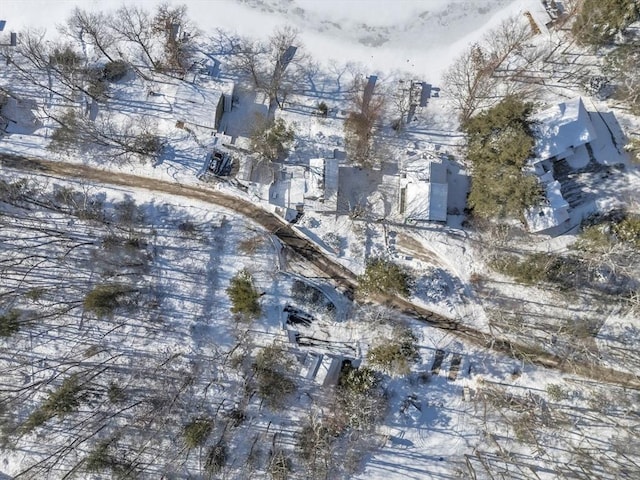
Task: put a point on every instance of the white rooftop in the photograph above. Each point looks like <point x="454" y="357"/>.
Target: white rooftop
<point x="561" y="128"/>
<point x="196" y="103"/>
<point x="322" y="184"/>
<point x="426" y="200"/>
<point x="556" y="210"/>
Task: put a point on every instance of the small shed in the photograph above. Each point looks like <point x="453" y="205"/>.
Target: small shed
<point x="287" y="191"/>
<point x="203" y="104"/>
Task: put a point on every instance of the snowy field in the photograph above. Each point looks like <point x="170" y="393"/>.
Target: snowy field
<point x="418" y="36"/>
<point x="173" y="354"/>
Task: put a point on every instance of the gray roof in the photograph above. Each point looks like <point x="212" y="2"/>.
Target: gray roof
<point x="438" y="201"/>
<point x="437" y="173"/>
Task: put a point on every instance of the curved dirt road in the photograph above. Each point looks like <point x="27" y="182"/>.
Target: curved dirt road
<point x="338" y="274"/>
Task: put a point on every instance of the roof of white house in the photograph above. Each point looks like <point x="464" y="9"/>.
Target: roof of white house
<point x="561" y="128"/>
<point x="315" y="179"/>
<point x="426" y="200"/>
<point x="196" y="103"/>
<point x="438" y="201"/>
<point x="554" y="212"/>
<point x="437" y="172"/>
<point x="322" y="184"/>
<point x="288" y="187"/>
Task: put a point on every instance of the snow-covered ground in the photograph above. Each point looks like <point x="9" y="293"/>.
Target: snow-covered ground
<point x="418" y="36"/>
<point x="475" y="413"/>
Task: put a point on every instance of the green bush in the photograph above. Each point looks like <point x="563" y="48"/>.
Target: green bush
<point x="272" y="369"/>
<point x="556" y="392"/>
<point x="271" y="140"/>
<point x="115" y="393"/>
<point x="594" y="239"/>
<point x="244" y="297"/>
<point x="114" y="71"/>
<point x="197" y="431"/>
<point x="384" y="277"/>
<point x="396" y="355"/>
<point x="147" y="144"/>
<point x="323" y="109"/>
<point x="67" y="135"/>
<point x="601" y="237"/>
<point x="628" y="230"/>
<point x="66" y="399"/>
<point x="539" y="268"/>
<point x="500" y="141"/>
<point x="66" y="59"/>
<point x="35" y="294"/>
<point x="359" y="380"/>
<point x="9" y="323"/>
<point x="103" y="300"/>
<point x="103" y="457"/>
<point x="99" y="458"/>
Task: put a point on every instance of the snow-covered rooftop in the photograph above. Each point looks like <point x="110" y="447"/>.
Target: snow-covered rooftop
<point x="561" y="128"/>
<point x="556" y="210"/>
<point x="200" y="103"/>
<point x="426" y="200"/>
<point x="289" y="186"/>
<point x="322" y="184"/>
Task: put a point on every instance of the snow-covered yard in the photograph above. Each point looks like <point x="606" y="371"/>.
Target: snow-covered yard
<point x="170" y="382"/>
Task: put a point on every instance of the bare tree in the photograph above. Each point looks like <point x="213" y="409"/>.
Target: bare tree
<point x="52" y="65"/>
<point x="247" y="60"/>
<point x="623" y="66"/>
<point x="360" y="123"/>
<point x="273" y="67"/>
<point x="178" y="33"/>
<point x="121" y="139"/>
<point x="92" y="28"/>
<point x="135" y="25"/>
<point x="488" y="71"/>
<point x="285" y="73"/>
<point x="401" y="103"/>
<point x="469" y="82"/>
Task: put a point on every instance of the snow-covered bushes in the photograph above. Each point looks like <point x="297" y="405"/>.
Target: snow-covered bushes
<point x="243" y="296"/>
<point x="216" y="458"/>
<point x="60" y="402"/>
<point x="104" y="299"/>
<point x="279" y="467"/>
<point x="114" y="71"/>
<point x="384" y="277"/>
<point x="271" y="368"/>
<point x="9" y="323"/>
<point x="359" y="380"/>
<point x="197" y="431"/>
<point x="396" y="354"/>
<point x="599" y="21"/>
<point x="556" y="392"/>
